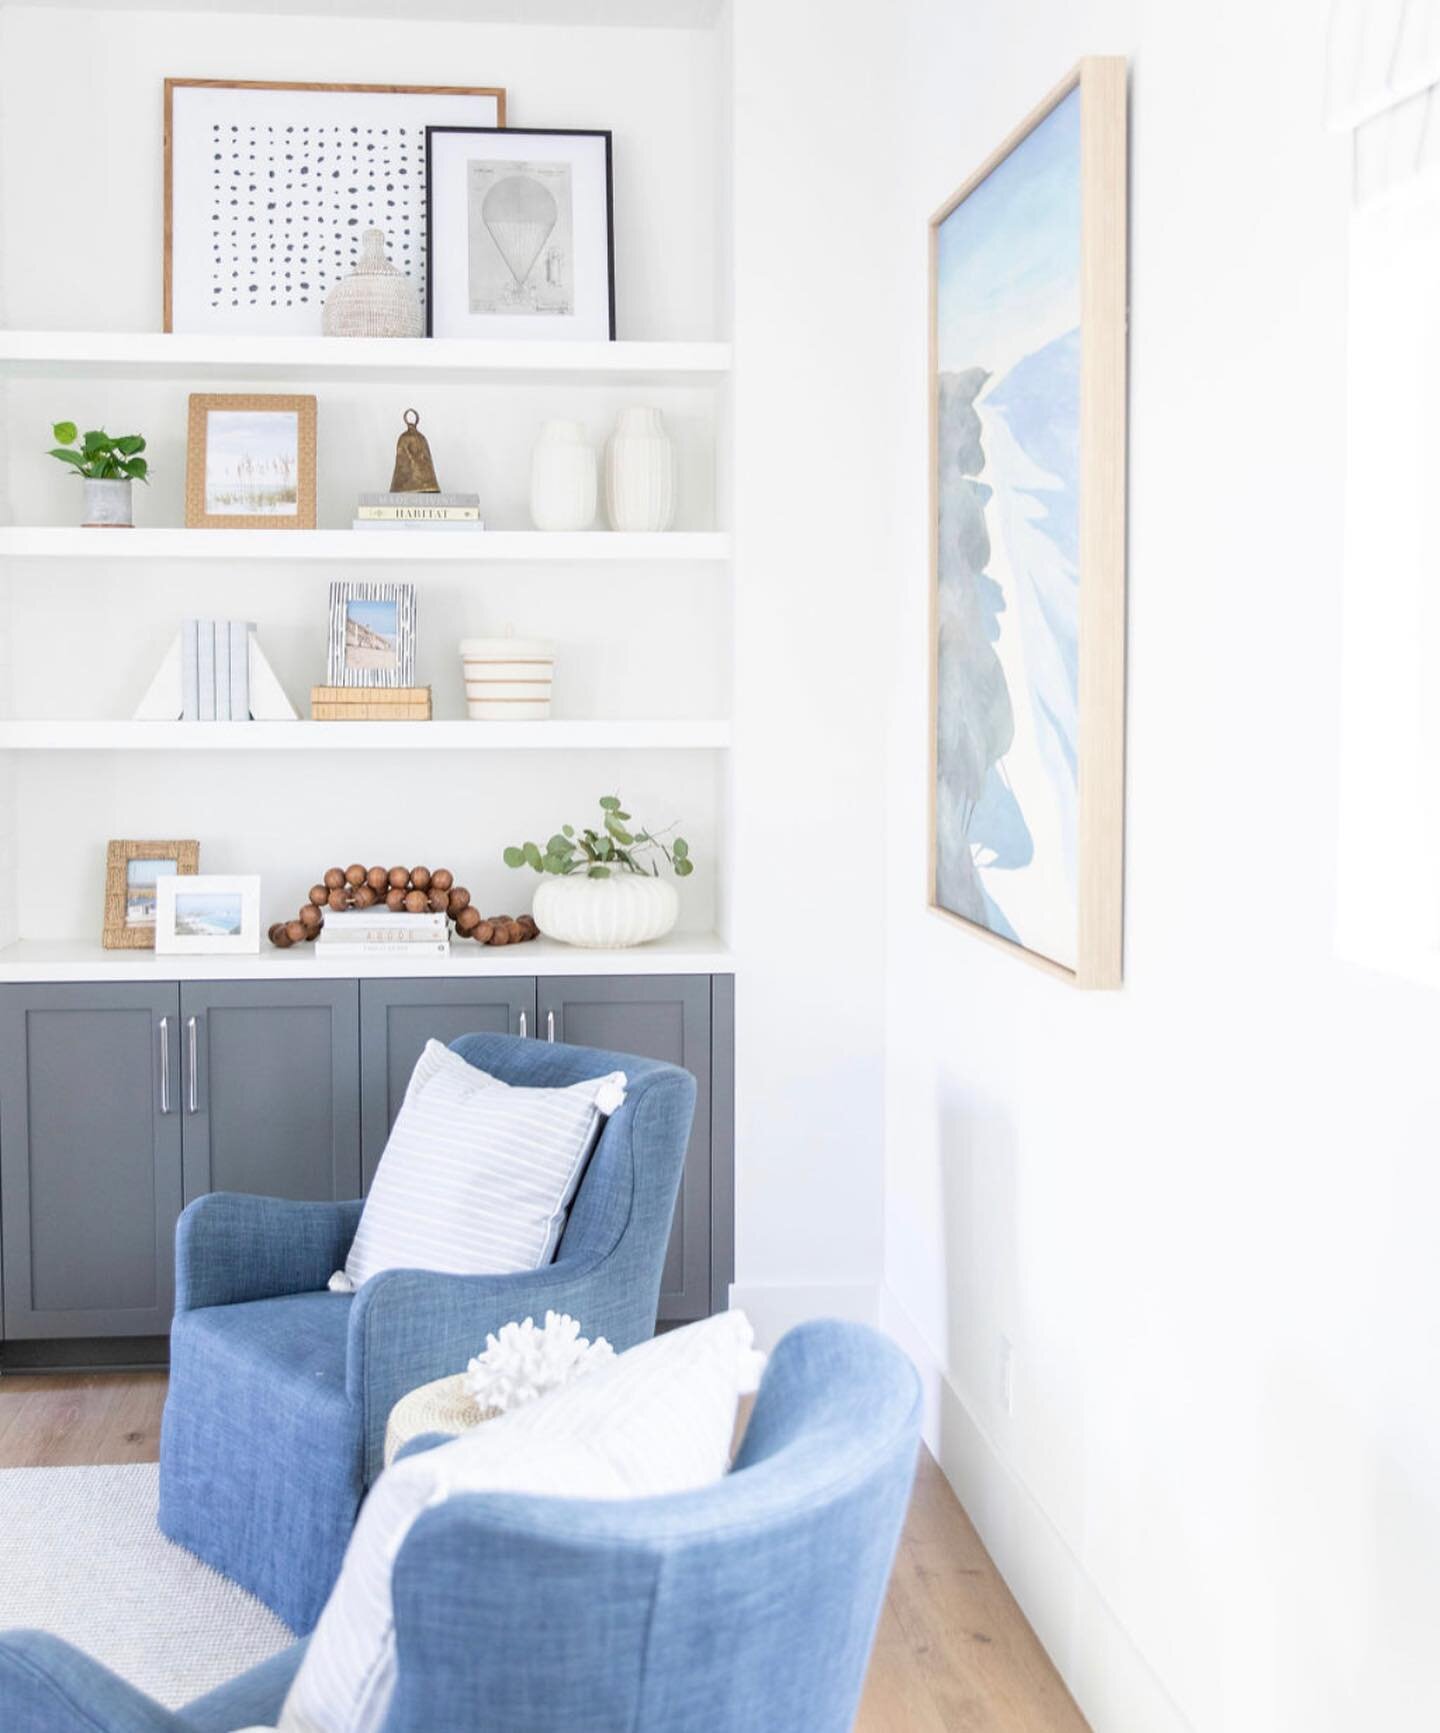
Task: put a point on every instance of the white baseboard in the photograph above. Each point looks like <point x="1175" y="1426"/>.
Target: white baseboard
<point x="1114" y="1685"/>
<point x="775" y="1310"/>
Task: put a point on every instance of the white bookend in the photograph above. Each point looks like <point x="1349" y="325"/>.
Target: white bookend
<point x="268" y="702"/>
<point x="206" y="639"/>
<point x="190" y="670"/>
<point x="164" y="700"/>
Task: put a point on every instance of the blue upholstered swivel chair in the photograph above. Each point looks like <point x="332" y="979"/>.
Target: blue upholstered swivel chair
<point x="748" y="1607"/>
<point x="280" y="1391"/>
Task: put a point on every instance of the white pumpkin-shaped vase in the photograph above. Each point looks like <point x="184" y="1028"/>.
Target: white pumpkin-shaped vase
<point x="640" y="476"/>
<point x="563" y="478"/>
<point x="375" y="300"/>
<point x="603" y="914"/>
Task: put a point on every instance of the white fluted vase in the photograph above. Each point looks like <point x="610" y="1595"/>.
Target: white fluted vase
<point x="640" y="474"/>
<point x="563" y="478"/>
<point x="603" y="914"/>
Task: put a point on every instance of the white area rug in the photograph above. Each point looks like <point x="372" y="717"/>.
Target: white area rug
<point x="81" y="1557"/>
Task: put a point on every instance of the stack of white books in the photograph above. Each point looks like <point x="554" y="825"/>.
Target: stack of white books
<point x="418" y="511"/>
<point x="381" y="932"/>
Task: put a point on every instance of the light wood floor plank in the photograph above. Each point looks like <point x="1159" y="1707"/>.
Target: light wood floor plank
<point x="953" y="1653"/>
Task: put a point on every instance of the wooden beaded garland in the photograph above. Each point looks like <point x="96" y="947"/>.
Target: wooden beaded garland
<point x="418" y="890"/>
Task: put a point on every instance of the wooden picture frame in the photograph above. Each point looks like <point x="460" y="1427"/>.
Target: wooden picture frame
<point x="978" y="827"/>
<point x="203" y="490"/>
<point x="282" y="103"/>
<point x="121" y="932"/>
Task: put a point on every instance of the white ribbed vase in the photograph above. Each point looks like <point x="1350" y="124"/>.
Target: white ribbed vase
<point x="377" y="299"/>
<point x="628" y="909"/>
<point x="563" y="478"/>
<point x="640" y="474"/>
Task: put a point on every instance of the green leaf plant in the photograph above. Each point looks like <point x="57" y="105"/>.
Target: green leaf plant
<point x="99" y="457"/>
<point x="613" y="848"/>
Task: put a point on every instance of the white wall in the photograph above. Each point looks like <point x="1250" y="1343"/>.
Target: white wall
<point x="1201" y="1209"/>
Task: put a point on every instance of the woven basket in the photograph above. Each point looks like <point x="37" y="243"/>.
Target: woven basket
<point x="439" y="1407"/>
<point x="375" y="300"/>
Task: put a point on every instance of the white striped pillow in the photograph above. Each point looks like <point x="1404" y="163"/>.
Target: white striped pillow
<point x="659" y="1419"/>
<point x="477" y="1176"/>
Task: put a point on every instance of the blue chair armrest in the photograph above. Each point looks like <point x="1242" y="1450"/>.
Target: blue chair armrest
<point x="408" y="1327"/>
<point x="230" y="1247"/>
<point x="48" y="1687"/>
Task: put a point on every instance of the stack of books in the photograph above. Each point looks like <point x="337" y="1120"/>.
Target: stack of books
<point x="418" y="511"/>
<point x="370" y="703"/>
<point x="382" y="932"/>
<point x="215" y="670"/>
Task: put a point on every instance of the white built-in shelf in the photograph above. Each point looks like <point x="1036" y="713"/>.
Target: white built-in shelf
<point x="491" y="547"/>
<point x="153" y="354"/>
<point x="130" y="736"/>
<point x="75" y="960"/>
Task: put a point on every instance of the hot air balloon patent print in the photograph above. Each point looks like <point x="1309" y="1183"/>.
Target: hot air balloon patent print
<point x="520" y="234"/>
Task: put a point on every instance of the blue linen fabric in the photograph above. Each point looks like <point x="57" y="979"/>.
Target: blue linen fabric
<point x="746" y="1607"/>
<point x="279" y="1392"/>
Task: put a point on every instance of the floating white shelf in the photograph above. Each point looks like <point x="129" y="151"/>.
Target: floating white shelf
<point x="68" y="736"/>
<point x="490" y="547"/>
<point x="130" y="354"/>
<point x="75" y="960"/>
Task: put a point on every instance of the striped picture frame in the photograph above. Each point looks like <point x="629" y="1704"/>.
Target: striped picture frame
<point x="372" y="635"/>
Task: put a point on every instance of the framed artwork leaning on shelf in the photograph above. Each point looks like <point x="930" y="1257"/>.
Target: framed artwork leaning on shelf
<point x="520" y="234"/>
<point x="269" y="189"/>
<point x="250" y="462"/>
<point x="372" y="635"/>
<point x="208" y="915"/>
<point x="133" y="874"/>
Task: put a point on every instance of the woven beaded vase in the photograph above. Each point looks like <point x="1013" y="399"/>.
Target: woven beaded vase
<point x="375" y="300"/>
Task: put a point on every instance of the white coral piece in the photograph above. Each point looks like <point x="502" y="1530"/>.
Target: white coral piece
<point x="523" y="1362"/>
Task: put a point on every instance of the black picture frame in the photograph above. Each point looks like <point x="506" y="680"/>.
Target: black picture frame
<point x="512" y="133"/>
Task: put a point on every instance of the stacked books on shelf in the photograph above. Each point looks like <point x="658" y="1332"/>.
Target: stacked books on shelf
<point x="370" y="703"/>
<point x="382" y="932"/>
<point x="215" y="671"/>
<point x="418" y="511"/>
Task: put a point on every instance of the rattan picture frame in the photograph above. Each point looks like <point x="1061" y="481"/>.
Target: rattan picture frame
<point x="121" y="930"/>
<point x="216" y="455"/>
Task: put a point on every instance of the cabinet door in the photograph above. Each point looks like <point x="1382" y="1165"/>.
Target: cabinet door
<point x="270" y="1079"/>
<point x="89" y="1158"/>
<point x="397" y="1018"/>
<point x="656" y="1017"/>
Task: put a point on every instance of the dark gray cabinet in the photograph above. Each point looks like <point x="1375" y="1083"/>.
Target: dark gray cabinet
<point x="90" y="1153"/>
<point x="658" y="1017"/>
<point x="270" y="1086"/>
<point x="397" y="1018"/>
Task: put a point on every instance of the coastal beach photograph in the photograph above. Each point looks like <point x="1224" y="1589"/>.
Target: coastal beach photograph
<point x="140" y="877"/>
<point x="252" y="463"/>
<point x="209" y="914"/>
<point x="372" y="634"/>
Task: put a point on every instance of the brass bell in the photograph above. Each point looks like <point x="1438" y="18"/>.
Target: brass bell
<point x="414" y="466"/>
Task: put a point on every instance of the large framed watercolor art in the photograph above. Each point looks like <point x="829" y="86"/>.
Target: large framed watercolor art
<point x="1027" y="385"/>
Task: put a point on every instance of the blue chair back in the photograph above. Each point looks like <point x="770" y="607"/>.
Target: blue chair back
<point x="747" y="1606"/>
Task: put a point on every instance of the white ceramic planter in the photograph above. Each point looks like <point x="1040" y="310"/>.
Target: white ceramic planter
<point x="640" y="474"/>
<point x="108" y="504"/>
<point x="507" y="679"/>
<point x="563" y="478"/>
<point x="601" y="914"/>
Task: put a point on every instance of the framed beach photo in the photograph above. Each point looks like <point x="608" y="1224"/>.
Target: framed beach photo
<point x="269" y="188"/>
<point x="1027" y="520"/>
<point x="372" y="635"/>
<point x="209" y="914"/>
<point x="250" y="462"/>
<point x="134" y="872"/>
<point x="520" y="234"/>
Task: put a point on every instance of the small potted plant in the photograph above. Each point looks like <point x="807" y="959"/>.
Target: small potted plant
<point x="602" y="888"/>
<point x="107" y="466"/>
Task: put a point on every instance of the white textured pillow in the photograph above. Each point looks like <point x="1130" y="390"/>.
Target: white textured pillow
<point x="659" y="1419"/>
<point x="477" y="1176"/>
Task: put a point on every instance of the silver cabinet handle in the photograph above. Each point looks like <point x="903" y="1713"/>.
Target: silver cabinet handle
<point x="524" y="1025"/>
<point x="164" y="1064"/>
<point x="549" y="1025"/>
<point x="194" y="1102"/>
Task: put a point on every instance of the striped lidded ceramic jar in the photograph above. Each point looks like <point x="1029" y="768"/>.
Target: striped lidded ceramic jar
<point x="507" y="679"/>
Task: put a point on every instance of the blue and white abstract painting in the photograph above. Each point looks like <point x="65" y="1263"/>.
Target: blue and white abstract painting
<point x="1007" y="334"/>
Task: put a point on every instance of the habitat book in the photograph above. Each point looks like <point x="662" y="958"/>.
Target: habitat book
<point x="425" y="514"/>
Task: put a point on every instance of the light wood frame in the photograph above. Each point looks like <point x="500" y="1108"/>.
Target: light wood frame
<point x="116" y="935"/>
<point x="174" y="84"/>
<point x="201" y="404"/>
<point x="1102" y="84"/>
